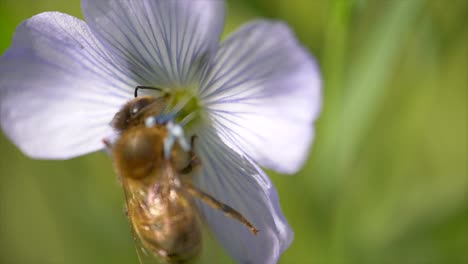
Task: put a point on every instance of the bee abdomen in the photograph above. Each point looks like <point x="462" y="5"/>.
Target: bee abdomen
<point x="171" y="230"/>
<point x="179" y="246"/>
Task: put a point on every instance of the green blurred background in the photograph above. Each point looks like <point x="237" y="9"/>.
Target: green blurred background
<point x="386" y="181"/>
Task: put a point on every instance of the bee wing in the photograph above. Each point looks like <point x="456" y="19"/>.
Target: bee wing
<point x="135" y="201"/>
<point x="239" y="183"/>
<point x="144" y="256"/>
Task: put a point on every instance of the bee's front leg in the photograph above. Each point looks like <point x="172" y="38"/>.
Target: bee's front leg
<point x="194" y="163"/>
<point x="194" y="160"/>
<point x="108" y="145"/>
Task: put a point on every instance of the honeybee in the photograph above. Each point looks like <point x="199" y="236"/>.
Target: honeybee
<point x="155" y="164"/>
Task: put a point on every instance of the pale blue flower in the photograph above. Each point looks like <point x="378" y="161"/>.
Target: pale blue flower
<point x="257" y="95"/>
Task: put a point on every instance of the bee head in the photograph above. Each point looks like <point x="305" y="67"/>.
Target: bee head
<point x="133" y="113"/>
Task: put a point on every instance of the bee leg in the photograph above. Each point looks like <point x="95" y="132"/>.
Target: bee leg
<point x="107" y="143"/>
<point x="215" y="204"/>
<point x="194" y="160"/>
<point x="108" y="150"/>
<point x="108" y="146"/>
<point x="125" y="211"/>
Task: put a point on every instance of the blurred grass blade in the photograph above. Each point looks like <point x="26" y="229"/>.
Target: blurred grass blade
<point x="368" y="77"/>
<point x="365" y="87"/>
<point x="365" y="90"/>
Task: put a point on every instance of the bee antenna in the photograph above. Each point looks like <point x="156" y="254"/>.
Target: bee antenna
<point x="146" y="88"/>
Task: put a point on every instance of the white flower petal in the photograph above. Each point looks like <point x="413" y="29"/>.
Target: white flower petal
<point x="263" y="94"/>
<point x="58" y="88"/>
<point x="237" y="182"/>
<point x="163" y="42"/>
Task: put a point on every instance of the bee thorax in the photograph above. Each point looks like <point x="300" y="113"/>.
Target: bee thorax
<point x="137" y="153"/>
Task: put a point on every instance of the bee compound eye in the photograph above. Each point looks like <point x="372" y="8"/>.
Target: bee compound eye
<point x="134" y="110"/>
<point x="139" y="105"/>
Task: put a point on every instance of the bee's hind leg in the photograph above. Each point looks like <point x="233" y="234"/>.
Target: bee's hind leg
<point x="211" y="201"/>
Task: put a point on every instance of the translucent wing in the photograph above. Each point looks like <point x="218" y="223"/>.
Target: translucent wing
<point x="163" y="217"/>
<point x="144" y="256"/>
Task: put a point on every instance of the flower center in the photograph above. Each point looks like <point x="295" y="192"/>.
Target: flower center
<point x="185" y="107"/>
